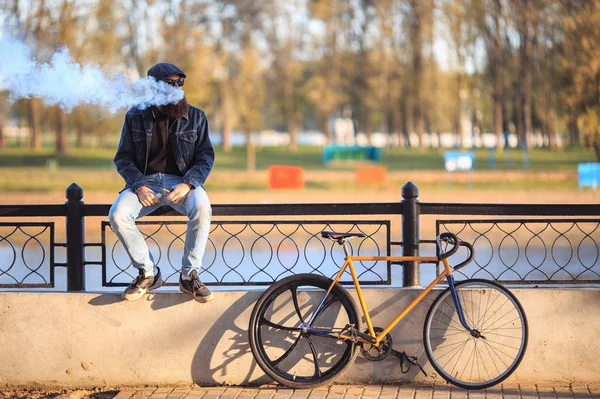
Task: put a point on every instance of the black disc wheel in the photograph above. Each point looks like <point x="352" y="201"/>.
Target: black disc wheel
<point x="493" y="349"/>
<point x="294" y="328"/>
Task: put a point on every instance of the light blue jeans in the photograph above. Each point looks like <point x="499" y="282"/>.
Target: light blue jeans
<point x="127" y="208"/>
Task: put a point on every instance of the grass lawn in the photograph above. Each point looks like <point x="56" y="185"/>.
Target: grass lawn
<point x="21" y="170"/>
<point x="310" y="158"/>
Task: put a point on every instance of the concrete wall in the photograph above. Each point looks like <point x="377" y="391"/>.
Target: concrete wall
<point x="72" y="339"/>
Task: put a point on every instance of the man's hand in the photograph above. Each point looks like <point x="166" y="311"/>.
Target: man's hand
<point x="146" y="196"/>
<point x="179" y="193"/>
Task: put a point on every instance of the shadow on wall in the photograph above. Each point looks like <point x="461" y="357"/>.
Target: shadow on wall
<point x="407" y="336"/>
<point x="230" y="332"/>
<point x="223" y="356"/>
<point x="225" y="352"/>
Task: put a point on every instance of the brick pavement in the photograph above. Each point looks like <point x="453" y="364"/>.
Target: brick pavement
<point x="571" y="391"/>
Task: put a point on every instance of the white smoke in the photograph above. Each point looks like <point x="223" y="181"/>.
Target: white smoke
<point x="68" y="84"/>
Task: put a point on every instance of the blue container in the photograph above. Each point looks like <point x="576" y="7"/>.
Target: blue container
<point x="589" y="174"/>
<point x="456" y="161"/>
<point x="334" y="152"/>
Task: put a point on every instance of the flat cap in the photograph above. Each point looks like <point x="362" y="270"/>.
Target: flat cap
<point x="163" y="70"/>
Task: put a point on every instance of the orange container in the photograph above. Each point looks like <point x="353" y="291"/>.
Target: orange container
<point x="286" y="177"/>
<point x="371" y="174"/>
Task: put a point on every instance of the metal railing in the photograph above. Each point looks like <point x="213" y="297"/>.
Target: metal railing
<point x="252" y="252"/>
<point x="255" y="252"/>
<point x="525" y="251"/>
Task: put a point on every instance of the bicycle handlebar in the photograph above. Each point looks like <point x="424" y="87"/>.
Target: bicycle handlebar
<point x="456" y="242"/>
<point x="471" y="255"/>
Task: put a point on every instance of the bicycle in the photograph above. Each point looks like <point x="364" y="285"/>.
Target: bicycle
<point x="475" y="332"/>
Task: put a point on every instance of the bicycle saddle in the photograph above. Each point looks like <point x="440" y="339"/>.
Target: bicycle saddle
<point x="333" y="235"/>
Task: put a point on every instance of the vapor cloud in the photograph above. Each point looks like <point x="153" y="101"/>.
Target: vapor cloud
<point x="68" y="84"/>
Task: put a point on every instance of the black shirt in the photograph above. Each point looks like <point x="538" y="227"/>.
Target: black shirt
<point x="161" y="159"/>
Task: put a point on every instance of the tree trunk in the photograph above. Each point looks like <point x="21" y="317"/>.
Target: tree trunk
<point x="596" y="145"/>
<point x="61" y="132"/>
<point x="250" y="153"/>
<point x="227" y="129"/>
<point x="226" y="118"/>
<point x="417" y="33"/>
<point x="34" y="125"/>
<point x="518" y="114"/>
<point x="390" y="120"/>
<point x="323" y="119"/>
<point x="527" y="83"/>
<point x="573" y="130"/>
<point x="418" y="105"/>
<point x="406" y="120"/>
<point x="2" y="141"/>
<point x="367" y="125"/>
<point x="498" y="122"/>
<point x="496" y="59"/>
<point x="79" y="125"/>
<point x="458" y="108"/>
<point x="290" y="114"/>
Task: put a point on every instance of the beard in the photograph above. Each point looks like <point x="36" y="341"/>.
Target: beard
<point x="175" y="111"/>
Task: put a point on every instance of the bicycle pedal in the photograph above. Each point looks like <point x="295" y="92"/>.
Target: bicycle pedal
<point x="411" y="360"/>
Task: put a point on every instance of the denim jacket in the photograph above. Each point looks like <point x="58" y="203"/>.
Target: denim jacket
<point x="193" y="151"/>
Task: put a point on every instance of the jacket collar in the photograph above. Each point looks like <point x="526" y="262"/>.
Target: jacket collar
<point x="149" y="113"/>
<point x="153" y="111"/>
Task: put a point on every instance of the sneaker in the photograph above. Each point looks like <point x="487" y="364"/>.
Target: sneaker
<point x="142" y="284"/>
<point x="195" y="288"/>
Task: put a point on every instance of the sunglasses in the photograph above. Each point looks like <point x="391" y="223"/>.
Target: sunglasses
<point x="179" y="82"/>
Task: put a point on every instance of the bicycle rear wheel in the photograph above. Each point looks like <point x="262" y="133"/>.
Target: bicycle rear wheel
<point x="285" y="349"/>
<point x="489" y="355"/>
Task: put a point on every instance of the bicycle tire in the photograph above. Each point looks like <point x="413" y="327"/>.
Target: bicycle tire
<point x="463" y="359"/>
<point x="274" y="329"/>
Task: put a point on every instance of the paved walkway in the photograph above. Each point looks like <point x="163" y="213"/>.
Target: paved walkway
<point x="573" y="391"/>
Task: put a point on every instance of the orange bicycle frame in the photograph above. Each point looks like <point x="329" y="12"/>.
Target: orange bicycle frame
<point x="348" y="264"/>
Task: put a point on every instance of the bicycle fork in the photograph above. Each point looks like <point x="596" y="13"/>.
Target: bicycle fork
<point x="461" y="315"/>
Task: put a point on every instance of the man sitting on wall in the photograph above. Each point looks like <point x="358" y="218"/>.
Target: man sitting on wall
<point x="164" y="156"/>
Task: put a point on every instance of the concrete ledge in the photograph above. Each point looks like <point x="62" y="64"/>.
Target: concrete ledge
<point x="83" y="340"/>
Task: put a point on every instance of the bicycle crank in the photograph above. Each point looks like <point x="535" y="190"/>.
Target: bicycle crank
<point x="379" y="352"/>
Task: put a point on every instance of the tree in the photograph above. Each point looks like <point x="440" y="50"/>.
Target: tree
<point x="284" y="37"/>
<point x="462" y="37"/>
<point x="138" y="38"/>
<point x="419" y="24"/>
<point x="526" y="16"/>
<point x="250" y="98"/>
<point x="323" y="86"/>
<point x="582" y="60"/>
<point x="2" y="141"/>
<point x="491" y="23"/>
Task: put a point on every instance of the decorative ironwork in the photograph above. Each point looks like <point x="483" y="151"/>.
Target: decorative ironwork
<point x="555" y="254"/>
<point x="557" y="251"/>
<point x="252" y="252"/>
<point x="27" y="255"/>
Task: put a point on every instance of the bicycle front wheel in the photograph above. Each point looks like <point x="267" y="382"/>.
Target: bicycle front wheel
<point x="293" y="351"/>
<point x="492" y="351"/>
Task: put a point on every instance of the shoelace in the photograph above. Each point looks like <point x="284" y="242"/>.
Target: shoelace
<point x="137" y="280"/>
<point x="196" y="284"/>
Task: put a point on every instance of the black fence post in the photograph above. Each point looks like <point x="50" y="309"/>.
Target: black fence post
<point x="75" y="238"/>
<point x="410" y="234"/>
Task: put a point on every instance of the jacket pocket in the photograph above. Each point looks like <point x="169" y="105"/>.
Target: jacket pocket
<point x="186" y="142"/>
<point x="188" y="137"/>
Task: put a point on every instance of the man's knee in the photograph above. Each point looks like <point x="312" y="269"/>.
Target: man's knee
<point x="117" y="216"/>
<point x="200" y="207"/>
